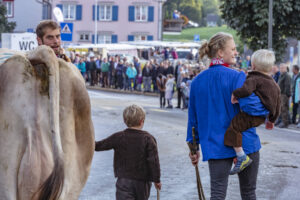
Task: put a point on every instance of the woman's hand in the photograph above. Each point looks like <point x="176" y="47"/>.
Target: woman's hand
<point x="195" y="158"/>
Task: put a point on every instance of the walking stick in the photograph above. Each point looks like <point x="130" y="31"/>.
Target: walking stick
<point x="193" y="149"/>
<point x="157" y="194"/>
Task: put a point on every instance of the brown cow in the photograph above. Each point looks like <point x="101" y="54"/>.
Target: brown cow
<point x="46" y="131"/>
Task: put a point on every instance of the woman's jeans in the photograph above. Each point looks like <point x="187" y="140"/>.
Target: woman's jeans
<point x="219" y="172"/>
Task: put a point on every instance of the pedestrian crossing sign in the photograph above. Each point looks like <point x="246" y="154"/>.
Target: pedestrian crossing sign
<point x="66" y="31"/>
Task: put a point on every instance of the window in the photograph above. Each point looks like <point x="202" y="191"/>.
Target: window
<point x="105" y="12"/>
<point x="84" y="37"/>
<point x="9" y="8"/>
<point x="104" y="39"/>
<point x="140" y="38"/>
<point x="141" y="13"/>
<point x="69" y="11"/>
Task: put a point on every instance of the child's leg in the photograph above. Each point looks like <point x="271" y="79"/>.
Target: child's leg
<point x="125" y="189"/>
<point x="233" y="137"/>
<point x="241" y="122"/>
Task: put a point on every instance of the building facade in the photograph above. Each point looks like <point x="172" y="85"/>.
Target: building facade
<point x="26" y="13"/>
<point x="112" y="21"/>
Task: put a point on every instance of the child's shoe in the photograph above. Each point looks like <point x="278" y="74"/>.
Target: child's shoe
<point x="241" y="164"/>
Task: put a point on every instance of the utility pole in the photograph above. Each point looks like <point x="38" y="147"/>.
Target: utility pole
<point x="270" y="28"/>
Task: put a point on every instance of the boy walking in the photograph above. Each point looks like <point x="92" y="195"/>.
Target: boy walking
<point x="136" y="162"/>
<point x="260" y="82"/>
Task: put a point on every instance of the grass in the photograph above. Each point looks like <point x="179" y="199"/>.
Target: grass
<point x="204" y="32"/>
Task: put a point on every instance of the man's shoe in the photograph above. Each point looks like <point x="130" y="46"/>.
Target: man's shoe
<point x="241" y="164"/>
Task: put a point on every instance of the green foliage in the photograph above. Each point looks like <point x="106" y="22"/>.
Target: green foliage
<point x="5" y="26"/>
<point x="250" y="20"/>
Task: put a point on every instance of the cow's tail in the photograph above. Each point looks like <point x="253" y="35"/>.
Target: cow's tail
<point x="51" y="189"/>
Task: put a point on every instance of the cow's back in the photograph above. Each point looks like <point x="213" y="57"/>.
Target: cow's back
<point x="25" y="137"/>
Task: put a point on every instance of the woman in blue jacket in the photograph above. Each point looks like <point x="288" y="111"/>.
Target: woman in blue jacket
<point x="210" y="112"/>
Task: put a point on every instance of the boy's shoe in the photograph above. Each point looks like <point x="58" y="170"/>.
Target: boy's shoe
<point x="241" y="164"/>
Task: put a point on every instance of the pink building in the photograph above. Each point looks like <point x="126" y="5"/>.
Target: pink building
<point x="117" y="20"/>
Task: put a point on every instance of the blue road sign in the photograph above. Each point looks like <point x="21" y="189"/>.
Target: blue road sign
<point x="196" y="38"/>
<point x="66" y="31"/>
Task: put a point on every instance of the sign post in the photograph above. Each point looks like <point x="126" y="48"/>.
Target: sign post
<point x="66" y="32"/>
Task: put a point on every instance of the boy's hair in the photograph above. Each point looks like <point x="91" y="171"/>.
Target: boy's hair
<point x="263" y="60"/>
<point x="133" y="115"/>
<point x="40" y="29"/>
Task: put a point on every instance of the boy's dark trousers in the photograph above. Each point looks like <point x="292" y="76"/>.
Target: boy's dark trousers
<point x="130" y="189"/>
<point x="241" y="122"/>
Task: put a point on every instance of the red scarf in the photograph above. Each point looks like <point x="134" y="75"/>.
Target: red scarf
<point x="218" y="61"/>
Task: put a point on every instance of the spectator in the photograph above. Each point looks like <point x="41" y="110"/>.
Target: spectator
<point x="131" y="74"/>
<point x="275" y="73"/>
<point x="125" y="77"/>
<point x="185" y="94"/>
<point x="161" y="84"/>
<point x="137" y="66"/>
<point x="98" y="70"/>
<point x="119" y="74"/>
<point x="284" y="83"/>
<point x="178" y="80"/>
<point x="170" y="68"/>
<point x="295" y="86"/>
<point x="92" y="67"/>
<point x="104" y="70"/>
<point x="111" y="72"/>
<point x="154" y="74"/>
<point x="147" y="77"/>
<point x="170" y="90"/>
<point x="81" y="67"/>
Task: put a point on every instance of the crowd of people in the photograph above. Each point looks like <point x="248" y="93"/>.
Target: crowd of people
<point x="163" y="77"/>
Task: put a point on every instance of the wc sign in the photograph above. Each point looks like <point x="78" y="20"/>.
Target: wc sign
<point x="23" y="41"/>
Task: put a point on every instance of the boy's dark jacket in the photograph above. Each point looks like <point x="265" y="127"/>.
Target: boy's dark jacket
<point x="135" y="155"/>
<point x="265" y="88"/>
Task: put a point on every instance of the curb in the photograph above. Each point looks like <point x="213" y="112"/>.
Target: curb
<point x="121" y="91"/>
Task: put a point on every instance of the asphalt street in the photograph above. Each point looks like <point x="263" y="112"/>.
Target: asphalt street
<point x="279" y="171"/>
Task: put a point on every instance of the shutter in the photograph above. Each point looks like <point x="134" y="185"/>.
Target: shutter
<point x="98" y="12"/>
<point x="93" y="12"/>
<point x="131" y="13"/>
<point x="60" y="6"/>
<point x="115" y="10"/>
<point x="150" y="13"/>
<point x="114" y="39"/>
<point x="150" y="37"/>
<point x="78" y="12"/>
<point x="130" y="38"/>
<point x="93" y="38"/>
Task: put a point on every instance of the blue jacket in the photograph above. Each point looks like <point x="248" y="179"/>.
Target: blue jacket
<point x="131" y="72"/>
<point x="211" y="111"/>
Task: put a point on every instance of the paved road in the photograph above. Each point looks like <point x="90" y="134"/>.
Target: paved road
<point x="279" y="172"/>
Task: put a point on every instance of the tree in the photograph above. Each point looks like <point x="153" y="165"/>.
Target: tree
<point x="5" y="26"/>
<point x="250" y="19"/>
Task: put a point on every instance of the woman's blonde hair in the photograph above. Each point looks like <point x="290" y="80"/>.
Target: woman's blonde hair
<point x="263" y="60"/>
<point x="216" y="42"/>
<point x="133" y="115"/>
